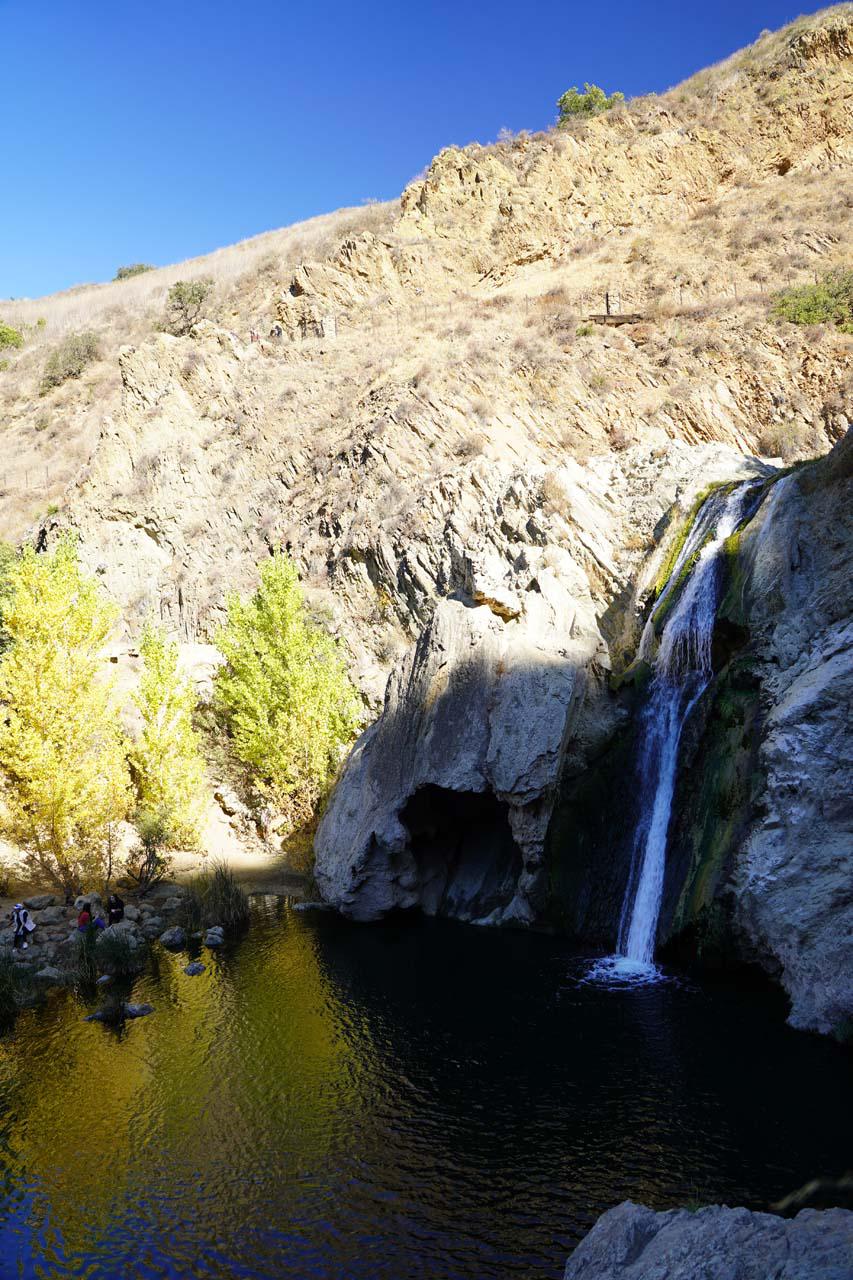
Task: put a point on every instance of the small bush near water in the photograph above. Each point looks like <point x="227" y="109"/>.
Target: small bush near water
<point x="70" y="358"/>
<point x="83" y="963"/>
<point x="116" y="955"/>
<point x="215" y="898"/>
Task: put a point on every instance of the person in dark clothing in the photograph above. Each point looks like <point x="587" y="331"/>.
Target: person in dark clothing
<point x="115" y="908"/>
<point x="23" y="924"/>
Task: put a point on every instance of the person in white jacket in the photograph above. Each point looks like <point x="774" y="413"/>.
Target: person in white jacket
<point x="23" y="924"/>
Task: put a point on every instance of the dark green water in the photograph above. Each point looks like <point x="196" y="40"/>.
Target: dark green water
<point x="412" y="1100"/>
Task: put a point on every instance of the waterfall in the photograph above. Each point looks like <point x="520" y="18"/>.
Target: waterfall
<point x="681" y="673"/>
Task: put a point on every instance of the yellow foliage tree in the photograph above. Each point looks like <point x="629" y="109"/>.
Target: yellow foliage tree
<point x="166" y="760"/>
<point x="64" y="781"/>
<point x="284" y="693"/>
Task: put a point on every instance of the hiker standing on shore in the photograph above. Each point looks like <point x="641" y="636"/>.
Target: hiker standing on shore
<point x="23" y="924"/>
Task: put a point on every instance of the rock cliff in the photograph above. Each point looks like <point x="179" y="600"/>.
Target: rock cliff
<point x="793" y="878"/>
<point x="506" y="689"/>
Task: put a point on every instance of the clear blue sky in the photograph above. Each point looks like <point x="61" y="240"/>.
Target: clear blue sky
<point x="159" y="130"/>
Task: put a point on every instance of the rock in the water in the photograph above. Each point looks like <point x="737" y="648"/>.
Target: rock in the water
<point x="137" y="1010"/>
<point x="40" y="902"/>
<point x="174" y="937"/>
<point x="215" y="936"/>
<point x="104" y="980"/>
<point x="193" y="969"/>
<point x="632" y="1242"/>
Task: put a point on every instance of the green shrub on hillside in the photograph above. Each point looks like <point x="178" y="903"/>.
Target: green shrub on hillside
<point x="135" y="269"/>
<point x="10" y="337"/>
<point x="185" y="303"/>
<point x="70" y="358"/>
<point x="830" y="301"/>
<point x="591" y="102"/>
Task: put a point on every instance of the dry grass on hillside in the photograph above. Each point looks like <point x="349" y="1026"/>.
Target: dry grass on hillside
<point x="487" y="340"/>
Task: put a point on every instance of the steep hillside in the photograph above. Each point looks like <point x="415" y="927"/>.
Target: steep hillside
<point x="426" y="345"/>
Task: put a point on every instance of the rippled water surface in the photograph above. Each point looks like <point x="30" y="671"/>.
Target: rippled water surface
<point x="412" y="1100"/>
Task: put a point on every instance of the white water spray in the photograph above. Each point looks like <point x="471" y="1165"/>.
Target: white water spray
<point x="681" y="673"/>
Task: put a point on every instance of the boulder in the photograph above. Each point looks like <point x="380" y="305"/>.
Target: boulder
<point x="174" y="937"/>
<point x="632" y="1242"/>
<point x="193" y="969"/>
<point x="444" y="802"/>
<point x="215" y="936"/>
<point x="132" y="913"/>
<point x="40" y="902"/>
<point x="153" y="927"/>
<point x="137" y="1010"/>
<point x="171" y="904"/>
<point x="51" y="975"/>
<point x="90" y="900"/>
<point x="48" y="915"/>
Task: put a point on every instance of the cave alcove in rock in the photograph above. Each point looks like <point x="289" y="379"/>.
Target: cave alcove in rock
<point x="468" y="863"/>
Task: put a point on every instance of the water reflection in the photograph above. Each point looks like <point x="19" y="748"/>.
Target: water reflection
<point x="406" y="1101"/>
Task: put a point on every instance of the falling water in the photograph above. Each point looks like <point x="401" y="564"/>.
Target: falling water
<point x="681" y="673"/>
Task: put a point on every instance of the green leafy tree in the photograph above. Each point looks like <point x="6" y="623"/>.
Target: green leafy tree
<point x="7" y="561"/>
<point x="284" y="693"/>
<point x="135" y="269"/>
<point x="10" y="337"/>
<point x="166" y="760"/>
<point x="185" y="303"/>
<point x="64" y="783"/>
<point x="830" y="301"/>
<point x="591" y="102"/>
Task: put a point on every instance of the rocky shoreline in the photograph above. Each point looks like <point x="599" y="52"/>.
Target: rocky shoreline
<point x="54" y="948"/>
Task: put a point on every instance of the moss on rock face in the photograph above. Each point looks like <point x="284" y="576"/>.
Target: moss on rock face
<point x="683" y="534"/>
<point x="718" y="789"/>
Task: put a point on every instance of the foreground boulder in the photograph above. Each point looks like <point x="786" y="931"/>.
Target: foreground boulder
<point x="632" y="1242"/>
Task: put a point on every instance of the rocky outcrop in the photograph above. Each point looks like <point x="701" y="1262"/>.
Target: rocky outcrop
<point x="793" y="880"/>
<point x="632" y="1242"/>
<point x="445" y="801"/>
